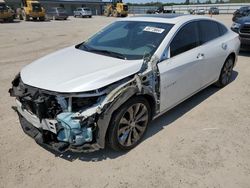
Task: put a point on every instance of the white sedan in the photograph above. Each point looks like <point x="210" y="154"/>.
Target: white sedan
<point x="108" y="88"/>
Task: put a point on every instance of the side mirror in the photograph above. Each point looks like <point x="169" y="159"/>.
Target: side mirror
<point x="166" y="54"/>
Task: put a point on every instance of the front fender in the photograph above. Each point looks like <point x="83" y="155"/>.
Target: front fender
<point x="104" y="119"/>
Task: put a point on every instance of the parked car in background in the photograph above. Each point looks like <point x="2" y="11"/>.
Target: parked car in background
<point x="160" y="10"/>
<point x="83" y="12"/>
<point x="57" y="13"/>
<point x="6" y="13"/>
<point x="191" y="11"/>
<point x="241" y="12"/>
<point x="242" y="27"/>
<point x="151" y="11"/>
<point x="200" y="12"/>
<point x="106" y="90"/>
<point x="214" y="10"/>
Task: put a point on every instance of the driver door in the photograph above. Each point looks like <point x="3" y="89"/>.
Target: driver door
<point x="180" y="74"/>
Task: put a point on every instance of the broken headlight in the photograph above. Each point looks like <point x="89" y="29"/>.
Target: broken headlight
<point x="83" y="103"/>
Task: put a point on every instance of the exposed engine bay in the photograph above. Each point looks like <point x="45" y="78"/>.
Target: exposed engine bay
<point x="78" y="121"/>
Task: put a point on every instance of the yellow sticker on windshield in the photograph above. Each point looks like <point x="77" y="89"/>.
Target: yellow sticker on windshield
<point x="153" y="29"/>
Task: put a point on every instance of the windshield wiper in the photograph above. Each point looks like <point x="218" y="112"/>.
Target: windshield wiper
<point x="110" y="53"/>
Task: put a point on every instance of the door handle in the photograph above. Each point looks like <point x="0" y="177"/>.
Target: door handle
<point x="200" y="56"/>
<point x="224" y="46"/>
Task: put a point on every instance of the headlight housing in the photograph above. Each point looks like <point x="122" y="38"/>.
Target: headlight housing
<point x="236" y="25"/>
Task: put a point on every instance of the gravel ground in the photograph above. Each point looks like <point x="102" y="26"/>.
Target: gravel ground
<point x="203" y="142"/>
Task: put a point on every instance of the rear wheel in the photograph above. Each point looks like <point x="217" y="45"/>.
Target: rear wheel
<point x="128" y="124"/>
<point x="226" y="73"/>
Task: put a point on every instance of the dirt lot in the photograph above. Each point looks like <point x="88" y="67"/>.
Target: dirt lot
<point x="203" y="142"/>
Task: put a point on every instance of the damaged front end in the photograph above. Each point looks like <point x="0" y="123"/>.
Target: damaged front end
<point x="79" y="121"/>
<point x="50" y="118"/>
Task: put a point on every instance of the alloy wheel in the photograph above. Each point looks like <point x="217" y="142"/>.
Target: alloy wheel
<point x="133" y="124"/>
<point x="227" y="72"/>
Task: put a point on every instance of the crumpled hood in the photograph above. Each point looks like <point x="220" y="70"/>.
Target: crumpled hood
<point x="74" y="70"/>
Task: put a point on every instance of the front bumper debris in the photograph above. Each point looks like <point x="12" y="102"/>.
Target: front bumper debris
<point x="47" y="140"/>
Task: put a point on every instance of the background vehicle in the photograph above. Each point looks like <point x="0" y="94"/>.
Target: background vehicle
<point x="6" y="13"/>
<point x="243" y="11"/>
<point x="200" y="11"/>
<point x="214" y="10"/>
<point x="151" y="11"/>
<point x="191" y="11"/>
<point x="31" y="9"/>
<point x="83" y="12"/>
<point x="242" y="27"/>
<point x="57" y="13"/>
<point x="121" y="78"/>
<point x="117" y="9"/>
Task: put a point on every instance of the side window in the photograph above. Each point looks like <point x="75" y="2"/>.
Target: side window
<point x="186" y="39"/>
<point x="222" y="29"/>
<point x="209" y="30"/>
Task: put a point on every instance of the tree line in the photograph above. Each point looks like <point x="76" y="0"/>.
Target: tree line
<point x="189" y="2"/>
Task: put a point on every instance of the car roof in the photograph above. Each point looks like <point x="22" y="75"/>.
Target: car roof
<point x="165" y="18"/>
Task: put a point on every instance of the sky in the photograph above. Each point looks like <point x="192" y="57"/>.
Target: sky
<point x="163" y="1"/>
<point x="146" y="1"/>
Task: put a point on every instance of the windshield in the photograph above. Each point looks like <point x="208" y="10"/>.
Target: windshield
<point x="86" y="9"/>
<point x="3" y="6"/>
<point x="36" y="7"/>
<point x="128" y="39"/>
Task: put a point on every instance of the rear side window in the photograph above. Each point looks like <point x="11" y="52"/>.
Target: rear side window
<point x="222" y="29"/>
<point x="209" y="30"/>
<point x="186" y="39"/>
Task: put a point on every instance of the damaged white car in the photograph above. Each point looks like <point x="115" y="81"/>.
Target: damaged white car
<point x="108" y="88"/>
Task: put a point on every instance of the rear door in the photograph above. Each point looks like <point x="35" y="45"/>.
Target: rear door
<point x="180" y="74"/>
<point x="214" y="45"/>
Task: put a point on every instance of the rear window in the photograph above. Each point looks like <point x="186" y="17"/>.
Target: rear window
<point x="209" y="30"/>
<point x="86" y="9"/>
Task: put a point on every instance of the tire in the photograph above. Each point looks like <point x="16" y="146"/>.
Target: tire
<point x="115" y="13"/>
<point x="90" y="16"/>
<point x="226" y="73"/>
<point x="106" y="13"/>
<point x="20" y="16"/>
<point x="129" y="124"/>
<point x="41" y="18"/>
<point x="25" y="16"/>
<point x="10" y="19"/>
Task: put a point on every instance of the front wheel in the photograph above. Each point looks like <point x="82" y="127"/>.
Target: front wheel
<point x="128" y="124"/>
<point x="226" y="73"/>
